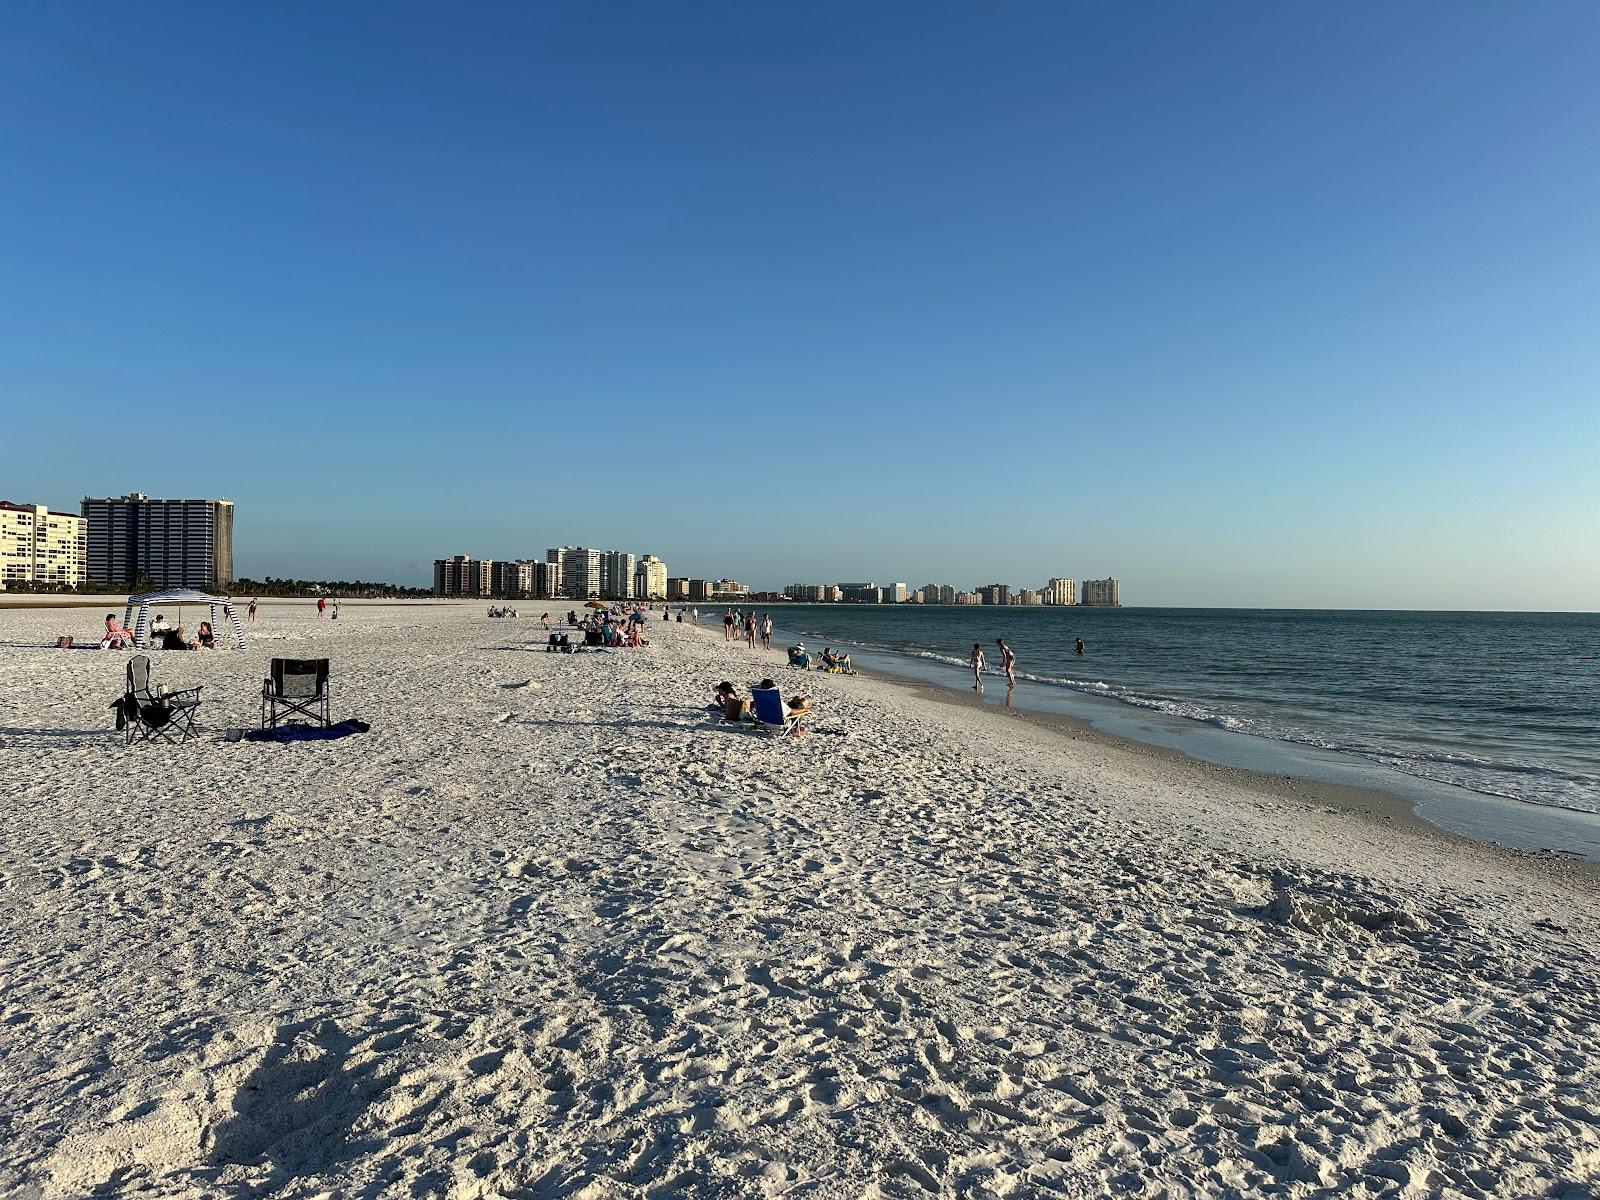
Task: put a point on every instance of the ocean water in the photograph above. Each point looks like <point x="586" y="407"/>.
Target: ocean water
<point x="1504" y="704"/>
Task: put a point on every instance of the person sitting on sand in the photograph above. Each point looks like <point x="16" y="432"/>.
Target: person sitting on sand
<point x="727" y="701"/>
<point x="158" y="627"/>
<point x="205" y="639"/>
<point x="799" y="658"/>
<point x="172" y="638"/>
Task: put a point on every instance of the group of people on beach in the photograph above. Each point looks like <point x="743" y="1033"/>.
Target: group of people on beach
<point x="733" y="621"/>
<point x="1008" y="662"/>
<point x="162" y="635"/>
<point x="611" y="628"/>
<point x="725" y="699"/>
<point x="832" y="661"/>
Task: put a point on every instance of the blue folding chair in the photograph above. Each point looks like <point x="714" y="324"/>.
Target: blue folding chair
<point x="771" y="714"/>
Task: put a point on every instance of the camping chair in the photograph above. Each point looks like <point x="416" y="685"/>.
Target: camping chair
<point x="296" y="685"/>
<point x="771" y="714"/>
<point x="148" y="716"/>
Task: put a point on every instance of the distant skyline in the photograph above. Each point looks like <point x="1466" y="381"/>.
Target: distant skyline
<point x="1250" y="305"/>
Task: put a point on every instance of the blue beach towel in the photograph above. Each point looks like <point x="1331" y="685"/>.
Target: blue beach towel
<point x="307" y="733"/>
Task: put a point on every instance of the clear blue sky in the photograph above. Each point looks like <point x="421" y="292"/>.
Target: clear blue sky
<point x="1244" y="303"/>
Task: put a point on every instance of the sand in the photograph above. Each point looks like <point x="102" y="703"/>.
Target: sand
<point x="548" y="930"/>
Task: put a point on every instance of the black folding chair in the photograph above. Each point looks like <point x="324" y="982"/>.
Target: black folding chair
<point x="146" y="715"/>
<point x="296" y="687"/>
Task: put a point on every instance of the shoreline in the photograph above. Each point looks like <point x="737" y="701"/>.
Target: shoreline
<point x="1344" y="779"/>
<point x="1373" y="807"/>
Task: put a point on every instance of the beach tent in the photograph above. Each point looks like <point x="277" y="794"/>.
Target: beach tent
<point x="141" y="626"/>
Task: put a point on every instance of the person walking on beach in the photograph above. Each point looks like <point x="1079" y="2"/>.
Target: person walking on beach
<point x="727" y="624"/>
<point x="766" y="631"/>
<point x="1080" y="646"/>
<point x="978" y="664"/>
<point x="322" y="603"/>
<point x="252" y="610"/>
<point x="335" y="608"/>
<point x="1008" y="662"/>
<point x="750" y="628"/>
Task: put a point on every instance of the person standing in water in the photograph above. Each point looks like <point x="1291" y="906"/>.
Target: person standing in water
<point x="978" y="664"/>
<point x="1008" y="662"/>
<point x="1080" y="646"/>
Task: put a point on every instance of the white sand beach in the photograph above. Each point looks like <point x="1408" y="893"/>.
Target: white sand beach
<point x="549" y="931"/>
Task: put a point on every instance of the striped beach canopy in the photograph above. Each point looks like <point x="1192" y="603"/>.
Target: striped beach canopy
<point x="141" y="625"/>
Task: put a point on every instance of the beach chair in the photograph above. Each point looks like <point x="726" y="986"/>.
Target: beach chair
<point x="149" y="716"/>
<point x="296" y="686"/>
<point x="771" y="714"/>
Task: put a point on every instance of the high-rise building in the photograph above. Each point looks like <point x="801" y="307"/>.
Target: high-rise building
<point x="859" y="593"/>
<point x="1102" y="593"/>
<point x="524" y="579"/>
<point x="509" y="580"/>
<point x="812" y="593"/>
<point x="176" y="543"/>
<point x="1029" y="597"/>
<point x="616" y="575"/>
<point x="677" y="587"/>
<point x="463" y="576"/>
<point x="40" y="546"/>
<point x="580" y="570"/>
<point x="894" y="593"/>
<point x="650" y="578"/>
<point x="1060" y="591"/>
<point x="546" y="580"/>
<point x="995" y="593"/>
<point x="968" y="598"/>
<point x="938" y="593"/>
<point x="701" y="590"/>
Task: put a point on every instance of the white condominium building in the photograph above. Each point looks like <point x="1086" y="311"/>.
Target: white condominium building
<point x="616" y="575"/>
<point x="1102" y="593"/>
<point x="40" y="546"/>
<point x="650" y="578"/>
<point x="580" y="570"/>
<point x="1060" y="591"/>
<point x="938" y="593"/>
